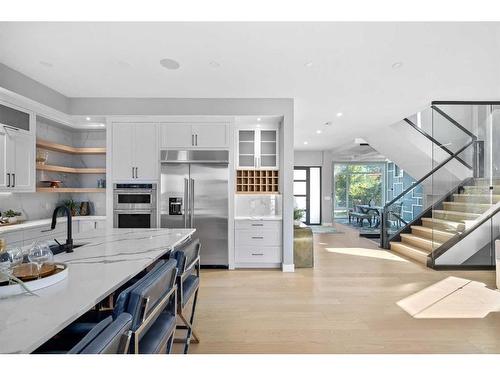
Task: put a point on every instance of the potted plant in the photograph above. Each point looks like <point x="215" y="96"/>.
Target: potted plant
<point x="297" y="215"/>
<point x="12" y="216"/>
<point x="72" y="205"/>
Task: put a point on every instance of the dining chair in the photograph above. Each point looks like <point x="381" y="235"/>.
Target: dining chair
<point x="188" y="284"/>
<point x="107" y="337"/>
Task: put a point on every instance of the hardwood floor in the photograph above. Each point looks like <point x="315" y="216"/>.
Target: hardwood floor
<point x="346" y="304"/>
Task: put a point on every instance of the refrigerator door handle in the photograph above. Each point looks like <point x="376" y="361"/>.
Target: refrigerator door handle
<point x="186" y="202"/>
<point x="191" y="204"/>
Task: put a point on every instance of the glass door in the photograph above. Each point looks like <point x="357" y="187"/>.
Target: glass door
<point x="307" y="193"/>
<point x="246" y="149"/>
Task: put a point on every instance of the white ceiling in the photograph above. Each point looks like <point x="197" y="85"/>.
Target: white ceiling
<point x="351" y="68"/>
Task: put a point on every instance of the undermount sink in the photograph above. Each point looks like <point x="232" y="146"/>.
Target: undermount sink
<point x="56" y="249"/>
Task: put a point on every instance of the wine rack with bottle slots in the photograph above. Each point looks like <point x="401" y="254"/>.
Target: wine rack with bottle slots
<point x="257" y="181"/>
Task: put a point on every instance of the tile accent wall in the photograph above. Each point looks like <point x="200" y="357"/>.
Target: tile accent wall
<point x="397" y="181"/>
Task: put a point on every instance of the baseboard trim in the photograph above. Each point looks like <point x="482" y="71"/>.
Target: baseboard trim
<point x="288" y="267"/>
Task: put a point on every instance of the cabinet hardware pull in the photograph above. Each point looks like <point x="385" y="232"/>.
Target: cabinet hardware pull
<point x="132" y="172"/>
<point x="8" y="179"/>
<point x="257" y="254"/>
<point x="257" y="238"/>
<point x="192" y="139"/>
<point x="257" y="225"/>
<point x="136" y="174"/>
<point x="196" y="139"/>
<point x="13" y="180"/>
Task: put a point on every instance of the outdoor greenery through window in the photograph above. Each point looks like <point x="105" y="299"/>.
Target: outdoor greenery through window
<point x="355" y="184"/>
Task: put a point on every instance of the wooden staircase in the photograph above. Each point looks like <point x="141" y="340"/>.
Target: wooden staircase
<point x="447" y="222"/>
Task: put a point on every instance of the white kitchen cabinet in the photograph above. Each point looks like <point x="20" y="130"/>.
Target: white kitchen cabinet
<point x="85" y="226"/>
<point x="3" y="160"/>
<point x="176" y="135"/>
<point x="258" y="243"/>
<point x="210" y="135"/>
<point x="201" y="135"/>
<point x="17" y="166"/>
<point x="258" y="149"/>
<point x="135" y="151"/>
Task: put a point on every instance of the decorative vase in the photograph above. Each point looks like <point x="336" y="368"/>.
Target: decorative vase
<point x="84" y="209"/>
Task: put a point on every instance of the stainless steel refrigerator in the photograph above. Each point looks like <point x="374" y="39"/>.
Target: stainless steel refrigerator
<point x="194" y="194"/>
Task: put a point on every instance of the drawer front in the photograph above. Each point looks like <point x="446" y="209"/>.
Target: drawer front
<point x="258" y="224"/>
<point x="258" y="237"/>
<point x="256" y="254"/>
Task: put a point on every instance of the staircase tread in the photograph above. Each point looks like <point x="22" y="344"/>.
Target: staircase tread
<point x="456" y="212"/>
<point x="431" y="230"/>
<point x="469" y="203"/>
<point x="411" y="247"/>
<point x="428" y="240"/>
<point x="441" y="221"/>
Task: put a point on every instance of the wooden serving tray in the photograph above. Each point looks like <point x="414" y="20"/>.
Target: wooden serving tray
<point x="28" y="271"/>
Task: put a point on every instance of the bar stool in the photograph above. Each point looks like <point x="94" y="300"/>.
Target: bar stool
<point x="188" y="284"/>
<point x="107" y="337"/>
<point x="152" y="304"/>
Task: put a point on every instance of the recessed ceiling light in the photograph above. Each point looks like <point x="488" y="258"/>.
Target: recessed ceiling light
<point x="397" y="65"/>
<point x="87" y="118"/>
<point x="170" y="64"/>
<point x="46" y="64"/>
<point x="258" y="125"/>
<point x="305" y="142"/>
<point x="259" y="119"/>
<point x="339" y="114"/>
<point x="319" y="131"/>
<point x="308" y="64"/>
<point x="214" y="64"/>
<point x="328" y="123"/>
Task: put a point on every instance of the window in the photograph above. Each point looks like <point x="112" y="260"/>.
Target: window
<point x="307" y="193"/>
<point x="357" y="183"/>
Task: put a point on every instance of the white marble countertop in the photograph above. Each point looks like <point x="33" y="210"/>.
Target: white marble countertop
<point x="272" y="217"/>
<point x="38" y="223"/>
<point x="110" y="258"/>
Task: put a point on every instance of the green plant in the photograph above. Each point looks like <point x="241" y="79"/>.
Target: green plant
<point x="11" y="213"/>
<point x="298" y="213"/>
<point x="72" y="205"/>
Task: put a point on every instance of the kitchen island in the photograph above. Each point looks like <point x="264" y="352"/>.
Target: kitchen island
<point x="108" y="259"/>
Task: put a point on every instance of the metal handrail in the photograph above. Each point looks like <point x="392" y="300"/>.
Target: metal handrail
<point x="435" y="141"/>
<point x="428" y="174"/>
<point x="454" y="122"/>
<point x="383" y="226"/>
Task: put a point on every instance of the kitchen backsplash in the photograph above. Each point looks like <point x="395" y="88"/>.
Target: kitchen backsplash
<point x="35" y="206"/>
<point x="258" y="205"/>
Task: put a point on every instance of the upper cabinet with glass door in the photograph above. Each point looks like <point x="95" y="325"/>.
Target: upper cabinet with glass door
<point x="257" y="149"/>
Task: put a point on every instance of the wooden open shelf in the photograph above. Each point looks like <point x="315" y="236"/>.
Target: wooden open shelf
<point x="69" y="190"/>
<point x="257" y="181"/>
<point x="57" y="168"/>
<point x="40" y="143"/>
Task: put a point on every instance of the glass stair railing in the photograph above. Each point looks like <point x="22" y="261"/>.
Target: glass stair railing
<point x="460" y="195"/>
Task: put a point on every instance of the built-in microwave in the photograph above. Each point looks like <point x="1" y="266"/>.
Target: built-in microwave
<point x="134" y="206"/>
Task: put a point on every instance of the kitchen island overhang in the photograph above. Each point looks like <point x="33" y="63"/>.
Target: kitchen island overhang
<point x="107" y="260"/>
